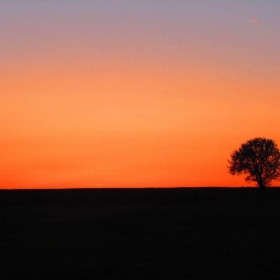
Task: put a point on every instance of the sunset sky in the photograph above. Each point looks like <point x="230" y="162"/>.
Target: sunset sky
<point x="128" y="93"/>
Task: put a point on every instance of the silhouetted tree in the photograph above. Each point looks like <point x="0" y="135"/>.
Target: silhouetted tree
<point x="259" y="158"/>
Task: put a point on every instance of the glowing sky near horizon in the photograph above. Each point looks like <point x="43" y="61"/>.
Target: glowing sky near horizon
<point x="131" y="93"/>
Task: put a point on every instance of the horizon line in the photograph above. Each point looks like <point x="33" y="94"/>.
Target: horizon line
<point x="136" y="188"/>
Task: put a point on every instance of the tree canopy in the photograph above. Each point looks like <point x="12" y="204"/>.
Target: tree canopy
<point x="259" y="159"/>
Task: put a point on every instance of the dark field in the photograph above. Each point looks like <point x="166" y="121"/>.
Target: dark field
<point x="140" y="234"/>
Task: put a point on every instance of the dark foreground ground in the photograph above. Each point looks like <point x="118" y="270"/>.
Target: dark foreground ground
<point x="140" y="234"/>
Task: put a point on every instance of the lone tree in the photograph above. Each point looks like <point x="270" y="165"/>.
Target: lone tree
<point x="259" y="158"/>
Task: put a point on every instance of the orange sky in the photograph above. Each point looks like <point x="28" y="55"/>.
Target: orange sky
<point x="133" y="99"/>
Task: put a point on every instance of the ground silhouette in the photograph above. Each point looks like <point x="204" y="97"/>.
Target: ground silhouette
<point x="140" y="234"/>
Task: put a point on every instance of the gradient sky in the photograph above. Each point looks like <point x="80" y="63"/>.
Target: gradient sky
<point x="150" y="93"/>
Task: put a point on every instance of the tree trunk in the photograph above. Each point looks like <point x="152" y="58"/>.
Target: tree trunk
<point x="261" y="185"/>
